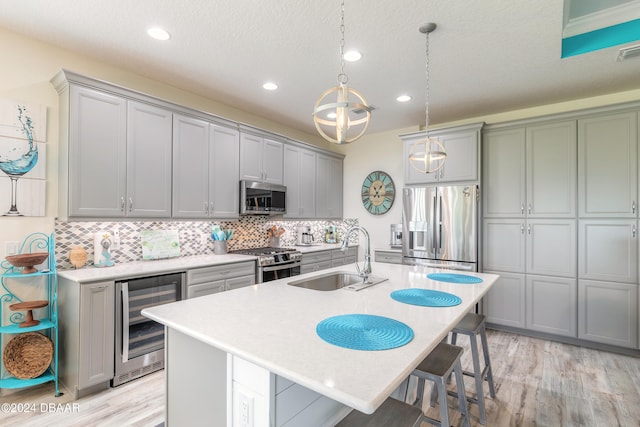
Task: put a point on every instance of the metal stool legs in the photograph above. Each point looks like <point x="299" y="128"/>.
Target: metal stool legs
<point x="473" y="325"/>
<point x="437" y="367"/>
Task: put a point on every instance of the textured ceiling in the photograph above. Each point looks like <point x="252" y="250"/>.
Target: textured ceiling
<point x="486" y="56"/>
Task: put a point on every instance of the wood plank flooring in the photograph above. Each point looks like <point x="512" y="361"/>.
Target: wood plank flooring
<point x="538" y="383"/>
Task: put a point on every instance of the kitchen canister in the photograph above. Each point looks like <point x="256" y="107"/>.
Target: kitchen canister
<point x="219" y="247"/>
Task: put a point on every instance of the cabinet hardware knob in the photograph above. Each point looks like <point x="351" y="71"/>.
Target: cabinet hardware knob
<point x="633" y="231"/>
<point x="529" y="208"/>
<point x="633" y="207"/>
<point x="529" y="229"/>
<point x="522" y="208"/>
<point x="130" y="204"/>
<point x="522" y="228"/>
<point x="122" y="203"/>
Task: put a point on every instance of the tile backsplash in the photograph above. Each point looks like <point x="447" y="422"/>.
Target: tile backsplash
<point x="195" y="236"/>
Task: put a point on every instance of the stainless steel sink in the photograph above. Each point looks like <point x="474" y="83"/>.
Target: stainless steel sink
<point x="337" y="280"/>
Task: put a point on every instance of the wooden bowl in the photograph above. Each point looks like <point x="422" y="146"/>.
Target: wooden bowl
<point x="28" y="261"/>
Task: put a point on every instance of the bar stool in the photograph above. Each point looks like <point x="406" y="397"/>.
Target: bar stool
<point x="437" y="367"/>
<point x="392" y="413"/>
<point x="473" y="325"/>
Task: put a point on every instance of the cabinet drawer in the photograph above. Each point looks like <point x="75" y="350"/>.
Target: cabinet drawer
<point x="241" y="282"/>
<point x="194" y="291"/>
<point x="220" y="272"/>
<point x="388" y="257"/>
<point x="338" y="253"/>
<point x="315" y="257"/>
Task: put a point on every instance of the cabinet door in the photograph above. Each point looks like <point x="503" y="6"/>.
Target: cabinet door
<point x="149" y="167"/>
<point x="608" y="312"/>
<point x="224" y="166"/>
<point x="504" y="304"/>
<point x="552" y="170"/>
<point x="552" y="247"/>
<point x="552" y="305"/>
<point x="97" y="322"/>
<point x="194" y="291"/>
<point x="608" y="165"/>
<point x="503" y="171"/>
<point x="97" y="153"/>
<point x="608" y="250"/>
<point x="240" y="282"/>
<point x="190" y="167"/>
<point x="251" y="157"/>
<point x="504" y="245"/>
<point x="328" y="187"/>
<point x="300" y="180"/>
<point x="273" y="156"/>
<point x="462" y="156"/>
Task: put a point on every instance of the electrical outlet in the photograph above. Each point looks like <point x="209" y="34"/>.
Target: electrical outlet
<point x="115" y="245"/>
<point x="246" y="410"/>
<point x="11" y="248"/>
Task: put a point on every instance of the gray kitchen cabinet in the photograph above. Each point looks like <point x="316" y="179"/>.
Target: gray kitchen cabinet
<point x="608" y="250"/>
<point x="86" y="340"/>
<point x="462" y="145"/>
<point x="503" y="245"/>
<point x="205" y="158"/>
<point x="552" y="305"/>
<point x="315" y="261"/>
<point x="300" y="180"/>
<point x="388" y="255"/>
<point x="608" y="312"/>
<point x="531" y="171"/>
<point x="149" y="141"/>
<point x="504" y="304"/>
<point x="97" y="153"/>
<point x="328" y="187"/>
<point x="119" y="156"/>
<point x="261" y="159"/>
<point x="219" y="278"/>
<point x="608" y="166"/>
<point x="340" y="257"/>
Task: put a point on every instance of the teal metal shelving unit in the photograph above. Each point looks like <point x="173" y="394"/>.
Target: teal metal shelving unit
<point x="10" y="293"/>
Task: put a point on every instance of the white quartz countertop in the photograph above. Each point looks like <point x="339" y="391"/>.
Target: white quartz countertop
<point x="152" y="267"/>
<point x="317" y="247"/>
<point x="274" y="326"/>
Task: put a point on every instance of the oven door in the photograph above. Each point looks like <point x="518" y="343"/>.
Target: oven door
<point x="279" y="271"/>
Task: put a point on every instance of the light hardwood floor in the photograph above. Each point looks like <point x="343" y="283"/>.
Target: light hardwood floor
<point x="538" y="383"/>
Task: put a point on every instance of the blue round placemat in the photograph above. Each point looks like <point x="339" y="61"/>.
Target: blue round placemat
<point x="426" y="297"/>
<point x="364" y="332"/>
<point x="454" y="278"/>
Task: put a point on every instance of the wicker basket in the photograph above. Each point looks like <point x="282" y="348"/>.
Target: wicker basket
<point x="28" y="355"/>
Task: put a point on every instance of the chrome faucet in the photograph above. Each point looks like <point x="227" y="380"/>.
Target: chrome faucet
<point x="365" y="272"/>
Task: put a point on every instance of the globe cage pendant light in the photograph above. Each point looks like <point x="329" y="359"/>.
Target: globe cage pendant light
<point x="337" y="118"/>
<point x="427" y="155"/>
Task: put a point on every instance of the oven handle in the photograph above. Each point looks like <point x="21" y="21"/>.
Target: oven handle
<point x="125" y="322"/>
<point x="281" y="266"/>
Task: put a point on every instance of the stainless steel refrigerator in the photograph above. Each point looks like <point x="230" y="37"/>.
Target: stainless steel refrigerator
<point x="440" y="226"/>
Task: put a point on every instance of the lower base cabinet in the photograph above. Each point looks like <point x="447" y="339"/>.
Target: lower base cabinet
<point x="504" y="304"/>
<point x="552" y="305"/>
<point x="608" y="312"/>
<point x="87" y="312"/>
<point x="315" y="261"/>
<point x="219" y="278"/>
<point x="388" y="256"/>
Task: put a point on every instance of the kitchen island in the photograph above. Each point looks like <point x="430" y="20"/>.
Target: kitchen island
<point x="252" y="356"/>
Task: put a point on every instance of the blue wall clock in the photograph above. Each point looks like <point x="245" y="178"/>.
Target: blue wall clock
<point x="378" y="192"/>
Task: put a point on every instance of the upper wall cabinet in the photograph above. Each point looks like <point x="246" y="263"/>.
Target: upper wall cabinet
<point x="328" y="187"/>
<point x="205" y="164"/>
<point x="300" y="180"/>
<point x="530" y="171"/>
<point x="119" y="157"/>
<point x="462" y="145"/>
<point x="261" y="159"/>
<point x="608" y="166"/>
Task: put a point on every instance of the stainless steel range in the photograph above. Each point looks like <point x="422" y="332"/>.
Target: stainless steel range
<point x="274" y="263"/>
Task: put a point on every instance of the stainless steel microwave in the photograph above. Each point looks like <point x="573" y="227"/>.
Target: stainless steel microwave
<point x="261" y="198"/>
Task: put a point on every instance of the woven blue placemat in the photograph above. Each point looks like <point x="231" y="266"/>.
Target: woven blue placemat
<point x="454" y="278"/>
<point x="426" y="297"/>
<point x="364" y="332"/>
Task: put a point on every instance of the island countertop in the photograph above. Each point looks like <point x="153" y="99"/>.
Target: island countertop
<point x="273" y="325"/>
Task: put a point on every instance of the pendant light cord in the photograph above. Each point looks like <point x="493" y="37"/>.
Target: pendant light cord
<point x="426" y="102"/>
<point x="342" y="77"/>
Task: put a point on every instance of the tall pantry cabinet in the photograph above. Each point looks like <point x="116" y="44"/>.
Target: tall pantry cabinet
<point x="560" y="226"/>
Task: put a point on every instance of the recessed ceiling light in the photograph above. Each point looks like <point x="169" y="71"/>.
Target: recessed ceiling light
<point x="158" y="33"/>
<point x="270" y="86"/>
<point x="352" y="55"/>
<point x="403" y="98"/>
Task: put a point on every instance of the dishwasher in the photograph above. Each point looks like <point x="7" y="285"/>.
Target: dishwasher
<point x="139" y="341"/>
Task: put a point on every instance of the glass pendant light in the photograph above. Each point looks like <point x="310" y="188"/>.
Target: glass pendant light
<point x="427" y="155"/>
